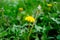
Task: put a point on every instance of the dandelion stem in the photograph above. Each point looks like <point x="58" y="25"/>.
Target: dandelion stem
<point x="32" y="26"/>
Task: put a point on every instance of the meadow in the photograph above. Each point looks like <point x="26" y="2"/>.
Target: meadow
<point x="29" y="20"/>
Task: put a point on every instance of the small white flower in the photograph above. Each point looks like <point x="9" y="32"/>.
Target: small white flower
<point x="39" y="7"/>
<point x="55" y="2"/>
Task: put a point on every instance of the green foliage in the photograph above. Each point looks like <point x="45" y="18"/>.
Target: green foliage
<point x="14" y="27"/>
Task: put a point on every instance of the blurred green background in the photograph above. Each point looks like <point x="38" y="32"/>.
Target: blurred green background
<point x="14" y="27"/>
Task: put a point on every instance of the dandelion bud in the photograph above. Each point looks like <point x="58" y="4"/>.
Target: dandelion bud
<point x="20" y="9"/>
<point x="49" y="5"/>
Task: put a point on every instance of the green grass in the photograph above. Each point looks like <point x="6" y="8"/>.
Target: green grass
<point x="13" y="25"/>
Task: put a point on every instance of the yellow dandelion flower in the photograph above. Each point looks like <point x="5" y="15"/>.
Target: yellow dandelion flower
<point x="30" y="19"/>
<point x="20" y="9"/>
<point x="50" y="5"/>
